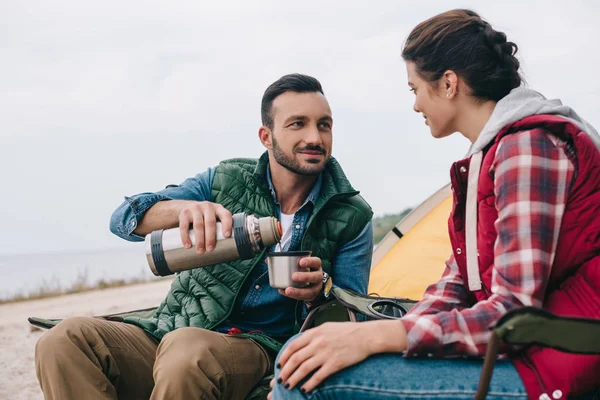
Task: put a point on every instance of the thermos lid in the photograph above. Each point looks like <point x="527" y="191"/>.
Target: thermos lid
<point x="299" y="253"/>
<point x="270" y="230"/>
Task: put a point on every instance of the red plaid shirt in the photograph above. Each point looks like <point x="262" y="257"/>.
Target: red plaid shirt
<point x="444" y="322"/>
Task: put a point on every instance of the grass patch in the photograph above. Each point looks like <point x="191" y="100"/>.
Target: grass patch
<point x="52" y="288"/>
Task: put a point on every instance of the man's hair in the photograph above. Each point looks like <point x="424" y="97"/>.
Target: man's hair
<point x="297" y="83"/>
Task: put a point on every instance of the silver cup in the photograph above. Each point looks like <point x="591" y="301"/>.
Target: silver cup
<point x="281" y="267"/>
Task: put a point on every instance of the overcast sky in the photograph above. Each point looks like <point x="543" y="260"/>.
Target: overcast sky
<point x="99" y="100"/>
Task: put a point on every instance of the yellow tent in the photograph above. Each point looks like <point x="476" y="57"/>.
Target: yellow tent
<point x="412" y="255"/>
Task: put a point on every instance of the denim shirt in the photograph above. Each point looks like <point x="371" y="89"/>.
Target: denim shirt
<point x="258" y="306"/>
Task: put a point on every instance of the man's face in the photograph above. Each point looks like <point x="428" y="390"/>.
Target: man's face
<point x="302" y="132"/>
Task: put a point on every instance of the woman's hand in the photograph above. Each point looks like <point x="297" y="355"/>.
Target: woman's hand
<point x="270" y="394"/>
<point x="334" y="346"/>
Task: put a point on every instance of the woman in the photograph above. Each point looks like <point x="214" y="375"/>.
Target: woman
<point x="531" y="176"/>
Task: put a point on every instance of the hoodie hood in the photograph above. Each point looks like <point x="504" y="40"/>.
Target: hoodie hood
<point x="521" y="103"/>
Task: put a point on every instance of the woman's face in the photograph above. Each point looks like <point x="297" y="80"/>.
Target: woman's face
<point x="432" y="102"/>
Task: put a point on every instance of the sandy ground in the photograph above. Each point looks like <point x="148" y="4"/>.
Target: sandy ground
<point x="17" y="339"/>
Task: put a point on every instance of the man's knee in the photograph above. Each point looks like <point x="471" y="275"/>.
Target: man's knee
<point x="65" y="336"/>
<point x="186" y="351"/>
<point x="191" y="340"/>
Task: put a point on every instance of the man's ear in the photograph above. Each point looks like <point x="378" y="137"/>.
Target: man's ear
<point x="266" y="137"/>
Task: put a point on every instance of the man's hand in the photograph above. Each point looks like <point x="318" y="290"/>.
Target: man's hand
<point x="203" y="216"/>
<point x="314" y="279"/>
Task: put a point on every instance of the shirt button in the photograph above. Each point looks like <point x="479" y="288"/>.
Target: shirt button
<point x="458" y="251"/>
<point x="298" y="226"/>
<point x="544" y="396"/>
<point x="557" y="394"/>
<point x="132" y="223"/>
<point x="463" y="169"/>
<point x="257" y="287"/>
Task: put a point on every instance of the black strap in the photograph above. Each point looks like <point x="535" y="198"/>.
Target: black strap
<point x="158" y="255"/>
<point x="397" y="232"/>
<point x="244" y="247"/>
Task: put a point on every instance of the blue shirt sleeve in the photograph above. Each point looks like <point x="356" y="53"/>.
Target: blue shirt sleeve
<point x="352" y="265"/>
<point x="127" y="216"/>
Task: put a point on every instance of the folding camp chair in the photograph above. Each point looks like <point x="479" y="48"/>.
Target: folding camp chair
<point x="530" y="325"/>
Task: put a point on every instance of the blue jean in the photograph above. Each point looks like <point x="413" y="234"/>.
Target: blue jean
<point x="390" y="376"/>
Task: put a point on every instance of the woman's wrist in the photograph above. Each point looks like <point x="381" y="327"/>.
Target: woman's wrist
<point x="385" y="336"/>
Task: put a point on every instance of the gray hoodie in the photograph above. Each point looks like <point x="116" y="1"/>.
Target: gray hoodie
<point x="521" y="103"/>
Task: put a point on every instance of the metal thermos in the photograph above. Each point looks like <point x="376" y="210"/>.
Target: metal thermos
<point x="166" y="254"/>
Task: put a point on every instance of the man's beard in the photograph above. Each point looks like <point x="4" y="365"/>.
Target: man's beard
<point x="292" y="165"/>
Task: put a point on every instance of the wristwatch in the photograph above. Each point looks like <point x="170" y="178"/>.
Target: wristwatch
<point x="325" y="292"/>
<point x="327" y="284"/>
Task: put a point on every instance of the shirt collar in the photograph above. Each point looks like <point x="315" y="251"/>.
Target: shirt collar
<point x="312" y="196"/>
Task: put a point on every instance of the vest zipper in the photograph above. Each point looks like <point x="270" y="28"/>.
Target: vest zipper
<point x="258" y="259"/>
<point x="486" y="290"/>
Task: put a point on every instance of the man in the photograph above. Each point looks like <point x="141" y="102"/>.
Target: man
<point x="216" y="334"/>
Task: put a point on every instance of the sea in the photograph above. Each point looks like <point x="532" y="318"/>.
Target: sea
<point x="23" y="274"/>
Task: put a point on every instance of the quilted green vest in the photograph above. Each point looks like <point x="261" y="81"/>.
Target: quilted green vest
<point x="204" y="297"/>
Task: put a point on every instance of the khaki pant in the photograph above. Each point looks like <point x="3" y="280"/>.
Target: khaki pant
<point x="91" y="358"/>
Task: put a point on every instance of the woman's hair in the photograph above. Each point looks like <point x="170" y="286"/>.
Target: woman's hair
<point x="459" y="40"/>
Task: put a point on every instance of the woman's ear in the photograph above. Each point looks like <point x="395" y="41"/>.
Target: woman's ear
<point x="450" y="80"/>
